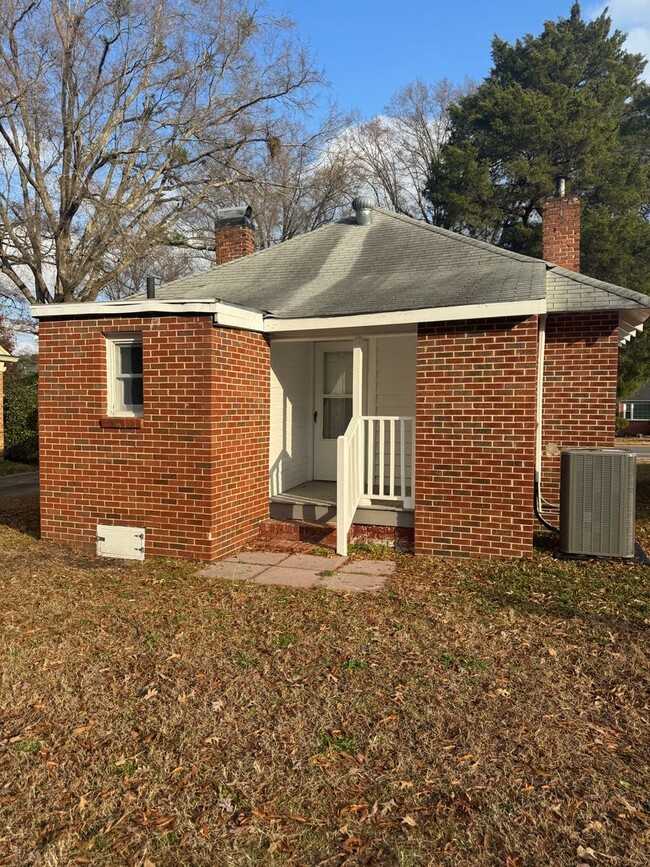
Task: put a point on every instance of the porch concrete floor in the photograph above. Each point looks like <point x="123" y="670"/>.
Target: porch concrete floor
<point x="303" y="570"/>
<point x="317" y="493"/>
<point x="314" y="493"/>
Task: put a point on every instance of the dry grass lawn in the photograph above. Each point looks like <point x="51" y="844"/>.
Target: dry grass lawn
<point x="469" y="714"/>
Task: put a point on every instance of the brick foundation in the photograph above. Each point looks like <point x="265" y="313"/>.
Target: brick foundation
<point x="400" y="538"/>
<point x="194" y="473"/>
<point x="580" y="371"/>
<point x="475" y="438"/>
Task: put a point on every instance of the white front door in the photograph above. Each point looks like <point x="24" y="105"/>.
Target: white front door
<point x="333" y="395"/>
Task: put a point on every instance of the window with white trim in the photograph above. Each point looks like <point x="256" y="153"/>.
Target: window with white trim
<point x="124" y="374"/>
<point x="637" y="411"/>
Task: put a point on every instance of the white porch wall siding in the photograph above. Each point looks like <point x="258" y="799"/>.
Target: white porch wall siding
<point x="393" y="385"/>
<point x="389" y="390"/>
<point x="291" y="434"/>
<point x="395" y="376"/>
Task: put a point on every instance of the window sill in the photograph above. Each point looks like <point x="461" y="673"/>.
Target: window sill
<point x="121" y="422"/>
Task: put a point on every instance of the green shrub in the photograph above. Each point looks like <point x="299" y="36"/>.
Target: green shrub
<point x="21" y="418"/>
<point x="621" y="424"/>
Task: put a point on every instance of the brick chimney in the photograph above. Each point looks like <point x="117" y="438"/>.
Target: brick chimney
<point x="561" y="228"/>
<point x="234" y="234"/>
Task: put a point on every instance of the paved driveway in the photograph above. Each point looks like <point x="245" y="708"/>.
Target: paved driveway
<point x="18" y="484"/>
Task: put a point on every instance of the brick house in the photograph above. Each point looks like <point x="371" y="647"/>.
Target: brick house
<point x="636" y="409"/>
<point x="378" y="371"/>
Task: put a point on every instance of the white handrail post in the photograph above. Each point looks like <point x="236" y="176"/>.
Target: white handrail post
<point x="391" y="465"/>
<point x="409" y="502"/>
<point x="402" y="458"/>
<point x="365" y="462"/>
<point x="370" y="446"/>
<point x="341" y="498"/>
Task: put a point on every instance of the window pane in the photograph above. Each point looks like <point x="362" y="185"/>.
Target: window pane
<point x="130" y="358"/>
<point x="337" y="412"/>
<point x="337" y="372"/>
<point x="641" y="411"/>
<point x="133" y="391"/>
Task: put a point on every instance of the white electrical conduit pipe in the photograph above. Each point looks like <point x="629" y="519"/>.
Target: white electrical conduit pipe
<point x="541" y="347"/>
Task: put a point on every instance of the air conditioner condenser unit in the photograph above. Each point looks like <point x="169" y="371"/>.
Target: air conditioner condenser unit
<point x="597" y="502"/>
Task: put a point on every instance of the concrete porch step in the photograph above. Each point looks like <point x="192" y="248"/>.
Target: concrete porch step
<point x="384" y="515"/>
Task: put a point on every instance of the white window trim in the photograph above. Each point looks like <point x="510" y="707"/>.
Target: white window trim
<point x="628" y="410"/>
<point x="113" y="343"/>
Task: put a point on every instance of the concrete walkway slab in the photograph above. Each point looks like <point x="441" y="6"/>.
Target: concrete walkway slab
<point x="284" y="569"/>
<point x="284" y="577"/>
<point x="312" y="561"/>
<point x="232" y="570"/>
<point x="260" y="558"/>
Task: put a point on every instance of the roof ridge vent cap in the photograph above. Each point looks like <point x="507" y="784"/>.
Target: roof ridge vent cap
<point x="363" y="206"/>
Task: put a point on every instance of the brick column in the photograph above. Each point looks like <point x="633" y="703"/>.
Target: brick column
<point x="580" y="370"/>
<point x="475" y="438"/>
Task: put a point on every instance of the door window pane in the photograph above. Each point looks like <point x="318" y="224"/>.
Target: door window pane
<point x="337" y="412"/>
<point x="337" y="370"/>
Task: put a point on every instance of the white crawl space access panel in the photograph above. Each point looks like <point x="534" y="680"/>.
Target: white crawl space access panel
<point x="124" y="543"/>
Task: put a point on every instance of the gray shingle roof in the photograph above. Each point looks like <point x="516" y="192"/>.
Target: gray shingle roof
<point x="395" y="263"/>
<point x="642" y="393"/>
<point x="566" y="290"/>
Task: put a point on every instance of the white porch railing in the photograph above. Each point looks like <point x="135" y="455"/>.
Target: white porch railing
<point x="375" y="461"/>
<point x="349" y="479"/>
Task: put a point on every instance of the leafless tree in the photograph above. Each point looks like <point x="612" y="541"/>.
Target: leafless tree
<point x="161" y="262"/>
<point x="393" y="151"/>
<point x="118" y="118"/>
<point x="301" y="180"/>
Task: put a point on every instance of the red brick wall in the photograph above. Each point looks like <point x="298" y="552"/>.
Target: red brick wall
<point x="475" y="437"/>
<point x="194" y="472"/>
<point x="561" y="232"/>
<point x="580" y="367"/>
<point x="232" y="242"/>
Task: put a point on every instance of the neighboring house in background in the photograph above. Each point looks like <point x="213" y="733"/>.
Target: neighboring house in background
<point x="379" y="371"/>
<point x="5" y="359"/>
<point x="636" y="408"/>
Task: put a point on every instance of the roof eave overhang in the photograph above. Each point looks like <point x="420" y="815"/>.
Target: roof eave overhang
<point x="631" y="323"/>
<point x="406" y="317"/>
<point x="233" y="316"/>
<point x="230" y="315"/>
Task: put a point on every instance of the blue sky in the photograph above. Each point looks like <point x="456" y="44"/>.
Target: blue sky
<point x="370" y="48"/>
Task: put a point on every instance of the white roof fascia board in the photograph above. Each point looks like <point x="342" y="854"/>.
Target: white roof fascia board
<point x="404" y="317"/>
<point x="233" y="316"/>
<point x="224" y="314"/>
<point x="122" y="308"/>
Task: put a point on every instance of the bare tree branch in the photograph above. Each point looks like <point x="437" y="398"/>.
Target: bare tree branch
<point x="119" y="119"/>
